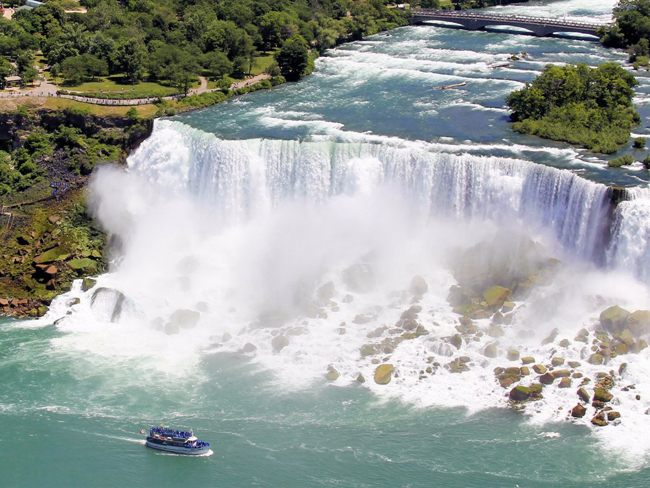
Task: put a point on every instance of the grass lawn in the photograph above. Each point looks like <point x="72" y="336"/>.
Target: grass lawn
<point x="114" y="84"/>
<point x="61" y="103"/>
<point x="262" y="61"/>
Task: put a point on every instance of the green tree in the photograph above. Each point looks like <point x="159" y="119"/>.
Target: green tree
<point x="217" y="64"/>
<point x="132" y="57"/>
<point x="293" y="57"/>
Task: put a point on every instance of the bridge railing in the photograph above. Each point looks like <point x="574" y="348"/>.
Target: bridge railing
<point x="525" y="19"/>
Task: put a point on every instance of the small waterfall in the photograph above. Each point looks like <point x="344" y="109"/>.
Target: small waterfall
<point x="239" y="180"/>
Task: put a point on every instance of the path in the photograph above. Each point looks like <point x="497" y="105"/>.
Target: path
<point x="47" y="89"/>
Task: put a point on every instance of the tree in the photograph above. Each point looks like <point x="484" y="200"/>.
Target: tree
<point x="73" y="70"/>
<point x="217" y="64"/>
<point x="183" y="74"/>
<point x="6" y="69"/>
<point x="132" y="55"/>
<point x="293" y="57"/>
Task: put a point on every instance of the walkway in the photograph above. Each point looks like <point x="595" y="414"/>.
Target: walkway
<point x="47" y="89"/>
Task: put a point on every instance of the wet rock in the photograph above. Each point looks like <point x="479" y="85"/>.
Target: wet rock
<point x="409" y="324"/>
<point x="249" y="348"/>
<point x="203" y="307"/>
<point x="578" y="411"/>
<point x="613" y="415"/>
<point x="639" y="322"/>
<point x="601" y="395"/>
<point x="621" y="349"/>
<point x="547" y="379"/>
<point x="551" y="337"/>
<point x="583" y="395"/>
<point x="639" y="346"/>
<point x="574" y="364"/>
<point x="359" y="278"/>
<point x="622" y="368"/>
<point x="415" y="309"/>
<point x="536" y="391"/>
<point x="332" y="373"/>
<point x="348" y="299"/>
<point x="539" y="369"/>
<point x="599" y="420"/>
<point x="226" y="337"/>
<point x="513" y="355"/>
<point x="507" y="307"/>
<point x="172" y="329"/>
<point x="596" y="359"/>
<point x="418" y="285"/>
<point x="520" y="394"/>
<point x="613" y="319"/>
<point x="186" y="319"/>
<point x="562" y="373"/>
<point x="490" y="351"/>
<point x="565" y="343"/>
<point x="557" y="361"/>
<point x="106" y="304"/>
<point x="565" y="383"/>
<point x="378" y="332"/>
<point x="88" y="283"/>
<point x="279" y="342"/>
<point x="360" y="378"/>
<point x="457" y="366"/>
<point x="524" y="371"/>
<point x="495" y="331"/>
<point x="361" y="319"/>
<point x="497" y="318"/>
<point x="498" y="370"/>
<point x="326" y="292"/>
<point x="383" y="374"/>
<point x="456" y="341"/>
<point x="83" y="265"/>
<point x="527" y="360"/>
<point x="495" y="296"/>
<point x="368" y="350"/>
<point x="506" y="380"/>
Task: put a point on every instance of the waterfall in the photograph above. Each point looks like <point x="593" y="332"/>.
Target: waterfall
<point x="240" y="180"/>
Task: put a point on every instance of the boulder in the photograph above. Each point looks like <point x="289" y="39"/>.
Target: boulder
<point x="54" y="254"/>
<point x="332" y="373"/>
<point x="539" y="369"/>
<point x="578" y="411"/>
<point x="565" y="343"/>
<point x="562" y="373"/>
<point x="602" y="395"/>
<point x="490" y="351"/>
<point x="279" y="342"/>
<point x="613" y="319"/>
<point x="361" y="319"/>
<point x="186" y="319"/>
<point x="418" y="285"/>
<point x="527" y="360"/>
<point x="456" y="341"/>
<point x="359" y="278"/>
<point x="361" y="379"/>
<point x="171" y="329"/>
<point x="495" y="331"/>
<point x="383" y="374"/>
<point x="639" y="322"/>
<point x="106" y="304"/>
<point x="495" y="296"/>
<point x="524" y="371"/>
<point x="88" y="283"/>
<point x="639" y="346"/>
<point x="595" y="359"/>
<point x="565" y="383"/>
<point x="506" y="380"/>
<point x="621" y="349"/>
<point x="599" y="420"/>
<point x="368" y="350"/>
<point x="226" y="337"/>
<point x="574" y="364"/>
<point x="583" y="395"/>
<point x="547" y="379"/>
<point x="249" y="348"/>
<point x="507" y="307"/>
<point x="613" y="415"/>
<point x="513" y="355"/>
<point x="326" y="292"/>
<point x="520" y="394"/>
<point x="557" y="361"/>
<point x="551" y="337"/>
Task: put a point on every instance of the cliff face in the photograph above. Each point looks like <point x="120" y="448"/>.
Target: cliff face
<point x="46" y="237"/>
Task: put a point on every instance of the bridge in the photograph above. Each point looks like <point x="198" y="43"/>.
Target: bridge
<point x="538" y="26"/>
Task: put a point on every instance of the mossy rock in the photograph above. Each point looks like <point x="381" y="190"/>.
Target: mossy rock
<point x="562" y="373"/>
<point x="602" y="395"/>
<point x="83" y="265"/>
<point x="578" y="411"/>
<point x="527" y="360"/>
<point x="368" y="350"/>
<point x="55" y="254"/>
<point x="495" y="296"/>
<point x="583" y="395"/>
<point x="279" y="342"/>
<point x="574" y="364"/>
<point x="547" y="379"/>
<point x="520" y="393"/>
<point x="596" y="359"/>
<point x="524" y="371"/>
<point x="88" y="283"/>
<point x="490" y="351"/>
<point x="539" y="369"/>
<point x="332" y="373"/>
<point x="496" y="332"/>
<point x="557" y="361"/>
<point x="614" y="318"/>
<point x="513" y="355"/>
<point x="621" y="349"/>
<point x="456" y="341"/>
<point x="639" y="346"/>
<point x="639" y="322"/>
<point x="565" y="383"/>
<point x="383" y="374"/>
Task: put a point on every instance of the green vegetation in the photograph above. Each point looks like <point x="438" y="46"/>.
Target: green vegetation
<point x="170" y="43"/>
<point x="590" y="107"/>
<point x="622" y="161"/>
<point x="639" y="142"/>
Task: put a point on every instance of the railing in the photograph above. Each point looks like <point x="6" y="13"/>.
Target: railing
<point x="519" y="19"/>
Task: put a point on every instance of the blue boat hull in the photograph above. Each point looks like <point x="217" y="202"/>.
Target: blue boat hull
<point x="177" y="449"/>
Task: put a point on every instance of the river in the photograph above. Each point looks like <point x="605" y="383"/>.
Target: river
<point x="273" y="239"/>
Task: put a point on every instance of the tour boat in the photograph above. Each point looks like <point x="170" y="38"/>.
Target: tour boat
<point x="178" y="442"/>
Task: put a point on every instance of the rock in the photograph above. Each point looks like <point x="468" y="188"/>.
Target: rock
<point x="507" y="307"/>
<point x="513" y="355"/>
<point x="359" y="278"/>
<point x="601" y="395"/>
<point x="415" y="309"/>
<point x="88" y="283"/>
<point x="565" y="343"/>
<point x="621" y="349"/>
<point x="348" y="298"/>
<point x="171" y="329"/>
<point x="622" y="368"/>
<point x="557" y="361"/>
<point x="595" y="359"/>
<point x="562" y="373"/>
<point x="249" y="348"/>
<point x="418" y="285"/>
<point x="53" y="219"/>
<point x="409" y="324"/>
<point x="536" y="391"/>
<point x="279" y="342"/>
<point x="527" y="360"/>
<point x="498" y="370"/>
<point x="639" y="322"/>
<point x="495" y="331"/>
<point x="368" y="350"/>
<point x="524" y="371"/>
<point x="574" y="364"/>
<point x="497" y="318"/>
<point x="360" y="378"/>
<point x="456" y="341"/>
<point x="361" y="319"/>
<point x="106" y="304"/>
<point x="565" y="383"/>
<point x="326" y="292"/>
<point x="457" y="366"/>
<point x="551" y="337"/>
<point x="583" y="395"/>
<point x="547" y="379"/>
<point x="599" y="420"/>
<point x="639" y="346"/>
<point x="332" y="373"/>
<point x="383" y="374"/>
<point x="539" y="369"/>
<point x="51" y="271"/>
<point x="490" y="351"/>
<point x="495" y="296"/>
<point x="578" y="411"/>
<point x="520" y="394"/>
<point x="506" y="380"/>
<point x="226" y="337"/>
<point x="613" y="415"/>
<point x="83" y="265"/>
<point x="203" y="307"/>
<point x="613" y="319"/>
<point x="186" y="319"/>
<point x="54" y="254"/>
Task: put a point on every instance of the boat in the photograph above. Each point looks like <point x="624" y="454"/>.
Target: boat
<point x="176" y="441"/>
<point x="455" y="85"/>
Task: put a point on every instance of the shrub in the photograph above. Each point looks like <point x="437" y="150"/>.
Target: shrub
<point x="622" y="161"/>
<point x="646" y="162"/>
<point x="639" y="142"/>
